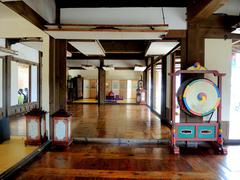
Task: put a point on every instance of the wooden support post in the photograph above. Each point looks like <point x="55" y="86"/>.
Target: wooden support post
<point x="101" y="83"/>
<point x="152" y="83"/>
<point x="57" y="72"/>
<point x="163" y="86"/>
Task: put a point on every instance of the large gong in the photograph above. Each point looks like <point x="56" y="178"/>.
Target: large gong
<point x="199" y="97"/>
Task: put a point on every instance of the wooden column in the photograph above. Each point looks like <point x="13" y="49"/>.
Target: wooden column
<point x="40" y="79"/>
<point x="101" y="83"/>
<point x="164" y="87"/>
<point x="57" y="73"/>
<point x="152" y="83"/>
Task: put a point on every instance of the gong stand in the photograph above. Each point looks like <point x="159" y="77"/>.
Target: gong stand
<point x="199" y="131"/>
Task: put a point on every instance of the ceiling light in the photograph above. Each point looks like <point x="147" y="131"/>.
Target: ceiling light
<point x="236" y="28"/>
<point x="160" y="48"/>
<point x="7" y="52"/>
<point x="108" y="68"/>
<point x="68" y="54"/>
<point x="88" y="67"/>
<point x="236" y="31"/>
<point x="139" y="68"/>
<point x="89" y="48"/>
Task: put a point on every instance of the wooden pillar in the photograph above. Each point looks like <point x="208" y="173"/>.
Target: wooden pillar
<point x="40" y="79"/>
<point x="195" y="45"/>
<point x="5" y="86"/>
<point x="101" y="83"/>
<point x="152" y="83"/>
<point x="164" y="87"/>
<point x="57" y="73"/>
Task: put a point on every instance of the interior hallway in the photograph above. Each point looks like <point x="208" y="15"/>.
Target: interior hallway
<point x="116" y="121"/>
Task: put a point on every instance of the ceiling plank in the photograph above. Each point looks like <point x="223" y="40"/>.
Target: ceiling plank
<point x="120" y="3"/>
<point x="27" y="12"/>
<point x="77" y="56"/>
<point x="201" y="10"/>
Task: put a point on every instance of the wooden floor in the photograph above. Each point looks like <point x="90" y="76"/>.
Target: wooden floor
<point x="18" y="126"/>
<point x="12" y="151"/>
<point x="101" y="161"/>
<point x="116" y="121"/>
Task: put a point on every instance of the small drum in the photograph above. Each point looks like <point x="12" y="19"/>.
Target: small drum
<point x="198" y="97"/>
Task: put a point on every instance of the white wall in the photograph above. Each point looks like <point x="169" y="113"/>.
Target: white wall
<point x="86" y="74"/>
<point x="218" y="57"/>
<point x="123" y="75"/>
<point x="14" y="83"/>
<point x="1" y="83"/>
<point x="110" y="75"/>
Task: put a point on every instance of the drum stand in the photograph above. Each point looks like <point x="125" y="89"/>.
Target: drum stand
<point x="201" y="131"/>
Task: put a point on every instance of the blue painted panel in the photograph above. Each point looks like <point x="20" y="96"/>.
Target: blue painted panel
<point x="207" y="132"/>
<point x="186" y="132"/>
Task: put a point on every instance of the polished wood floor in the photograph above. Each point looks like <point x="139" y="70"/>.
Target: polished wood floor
<point x="18" y="125"/>
<point x="116" y="121"/>
<point x="12" y="151"/>
<point x="102" y="161"/>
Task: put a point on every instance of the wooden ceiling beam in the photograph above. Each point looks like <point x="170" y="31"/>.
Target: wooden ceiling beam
<point x="200" y="10"/>
<point x="27" y="12"/>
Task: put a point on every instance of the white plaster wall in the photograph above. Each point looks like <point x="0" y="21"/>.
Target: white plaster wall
<point x="123" y="75"/>
<point x="168" y="93"/>
<point x="1" y="83"/>
<point x="86" y="74"/>
<point x="14" y="83"/>
<point x="14" y="26"/>
<point x="218" y="57"/>
<point x="110" y="75"/>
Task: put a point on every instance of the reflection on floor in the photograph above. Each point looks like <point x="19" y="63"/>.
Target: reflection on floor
<point x="12" y="151"/>
<point x="94" y="101"/>
<point x="109" y="161"/>
<point x="86" y="101"/>
<point x="18" y="126"/>
<point x="116" y="121"/>
<point x="126" y="101"/>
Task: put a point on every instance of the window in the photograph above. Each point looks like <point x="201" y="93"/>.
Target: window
<point x="19" y="83"/>
<point x="34" y="83"/>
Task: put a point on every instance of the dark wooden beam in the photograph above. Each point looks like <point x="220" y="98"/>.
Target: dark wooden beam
<point x="201" y="10"/>
<point x="27" y="12"/>
<point x="78" y="56"/>
<point x="123" y="46"/>
<point x="57" y="75"/>
<point x="120" y="3"/>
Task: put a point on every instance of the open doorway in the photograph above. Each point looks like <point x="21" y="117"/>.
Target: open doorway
<point x="235" y="98"/>
<point x="82" y="86"/>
